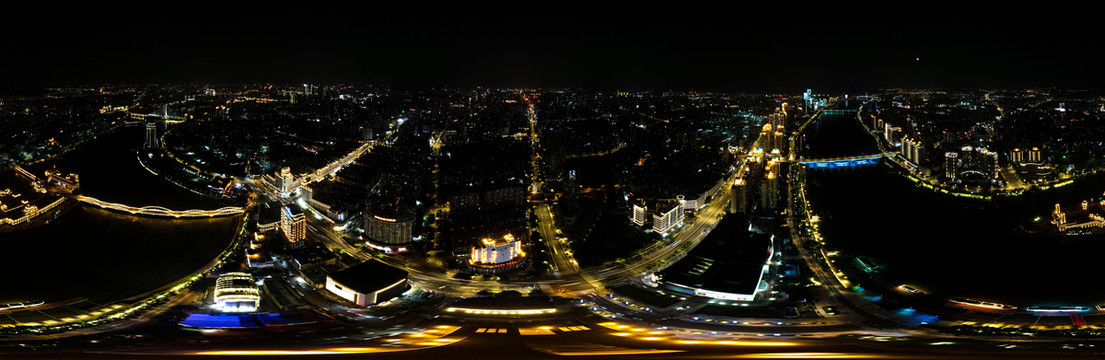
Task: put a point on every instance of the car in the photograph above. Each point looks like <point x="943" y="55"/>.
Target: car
<point x="831" y="310"/>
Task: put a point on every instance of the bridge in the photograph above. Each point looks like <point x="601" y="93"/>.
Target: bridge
<point x="846" y="161"/>
<point x="158" y="211"/>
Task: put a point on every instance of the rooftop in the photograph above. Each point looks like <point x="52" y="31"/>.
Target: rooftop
<point x="369" y="276"/>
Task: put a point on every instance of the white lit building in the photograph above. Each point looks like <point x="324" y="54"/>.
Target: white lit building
<point x="237" y="292"/>
<point x="667" y="217"/>
<point x="497" y="253"/>
<point x="284" y="184"/>
<point x="368" y="283"/>
<point x="639" y="212"/>
<point x="294" y="224"/>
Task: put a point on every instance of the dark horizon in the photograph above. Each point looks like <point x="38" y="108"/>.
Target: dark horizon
<point x="707" y="49"/>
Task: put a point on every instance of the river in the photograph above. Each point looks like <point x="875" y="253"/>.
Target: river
<point x="103" y="255"/>
<point x="951" y="246"/>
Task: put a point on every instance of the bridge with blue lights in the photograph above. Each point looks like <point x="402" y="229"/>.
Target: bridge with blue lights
<point x="846" y="161"/>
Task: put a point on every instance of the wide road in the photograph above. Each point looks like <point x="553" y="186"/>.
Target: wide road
<point x="562" y="262"/>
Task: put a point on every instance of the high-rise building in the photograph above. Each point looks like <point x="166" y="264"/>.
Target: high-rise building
<point x="393" y="230"/>
<point x="987" y="162"/>
<point x="769" y="192"/>
<point x="951" y="164"/>
<point x="151" y="136"/>
<point x="667" y="216"/>
<point x="738" y="204"/>
<point x="912" y="150"/>
<point x="1034" y="156"/>
<point x="890" y="133"/>
<point x="639" y="212"/>
<point x="294" y="224"/>
<point x="1016" y="156"/>
<point x="779" y="138"/>
<point x="767" y="138"/>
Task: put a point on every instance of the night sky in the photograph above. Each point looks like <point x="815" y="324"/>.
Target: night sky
<point x="554" y="44"/>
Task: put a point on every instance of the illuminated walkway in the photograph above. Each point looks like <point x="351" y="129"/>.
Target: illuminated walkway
<point x="160" y="211"/>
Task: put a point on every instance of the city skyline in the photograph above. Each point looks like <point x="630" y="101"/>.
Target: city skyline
<point x="549" y="180"/>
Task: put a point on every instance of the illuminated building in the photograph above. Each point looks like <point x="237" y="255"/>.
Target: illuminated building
<point x="667" y="216"/>
<point x="951" y="163"/>
<point x="769" y="192"/>
<point x="1087" y="215"/>
<point x="68" y="182"/>
<point x="639" y="210"/>
<point x="288" y="182"/>
<point x="890" y="133"/>
<point x="294" y="224"/>
<point x="780" y="139"/>
<point x="769" y="141"/>
<point x="736" y="269"/>
<point x="284" y="183"/>
<point x="386" y="228"/>
<point x="987" y="162"/>
<point x="237" y="292"/>
<point x="1034" y="156"/>
<point x="492" y="254"/>
<point x="368" y="283"/>
<point x="739" y="201"/>
<point x="912" y="150"/>
<point x="151" y="136"/>
<point x="977" y="160"/>
<point x="1016" y="156"/>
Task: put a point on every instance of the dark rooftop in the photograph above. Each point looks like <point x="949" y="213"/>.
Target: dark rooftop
<point x="730" y="259"/>
<point x="369" y="276"/>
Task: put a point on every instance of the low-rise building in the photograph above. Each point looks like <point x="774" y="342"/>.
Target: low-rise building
<point x="368" y="283"/>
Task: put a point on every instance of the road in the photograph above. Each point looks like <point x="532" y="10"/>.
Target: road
<point x="562" y="261"/>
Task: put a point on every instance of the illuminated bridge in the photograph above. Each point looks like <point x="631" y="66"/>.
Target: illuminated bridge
<point x="160" y="211"/>
<point x="845" y="161"/>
